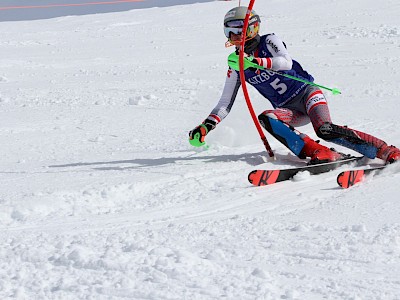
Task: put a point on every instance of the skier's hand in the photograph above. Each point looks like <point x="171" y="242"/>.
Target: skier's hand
<point x="198" y="134"/>
<point x="249" y="62"/>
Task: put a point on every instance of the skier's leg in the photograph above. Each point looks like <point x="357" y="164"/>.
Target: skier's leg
<point x="289" y="116"/>
<point x="368" y="145"/>
<point x="280" y="122"/>
<point x="277" y="123"/>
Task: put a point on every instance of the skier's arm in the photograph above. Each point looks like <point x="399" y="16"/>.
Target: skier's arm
<point x="220" y="111"/>
<point x="224" y="105"/>
<point x="280" y="60"/>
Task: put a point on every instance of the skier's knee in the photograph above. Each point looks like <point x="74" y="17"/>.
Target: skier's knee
<point x="329" y="131"/>
<point x="326" y="131"/>
<point x="264" y="119"/>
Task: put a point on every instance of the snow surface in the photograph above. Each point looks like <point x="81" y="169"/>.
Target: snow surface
<point x="102" y="197"/>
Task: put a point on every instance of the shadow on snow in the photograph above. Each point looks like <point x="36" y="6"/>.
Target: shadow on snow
<point x="252" y="159"/>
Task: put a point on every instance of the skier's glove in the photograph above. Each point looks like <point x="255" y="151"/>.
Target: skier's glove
<point x="233" y="61"/>
<point x="250" y="62"/>
<point x="198" y="134"/>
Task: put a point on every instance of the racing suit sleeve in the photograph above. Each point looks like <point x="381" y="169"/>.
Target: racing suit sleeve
<point x="224" y="105"/>
<point x="280" y="60"/>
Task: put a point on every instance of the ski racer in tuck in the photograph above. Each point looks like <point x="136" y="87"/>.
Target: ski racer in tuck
<point x="295" y="103"/>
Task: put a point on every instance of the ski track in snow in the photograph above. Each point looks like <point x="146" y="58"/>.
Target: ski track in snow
<point x="102" y="197"/>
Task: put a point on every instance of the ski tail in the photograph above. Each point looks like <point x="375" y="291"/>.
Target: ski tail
<point x="349" y="178"/>
<point x="263" y="177"/>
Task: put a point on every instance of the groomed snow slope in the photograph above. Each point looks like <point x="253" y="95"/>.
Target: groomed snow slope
<point x="102" y="197"/>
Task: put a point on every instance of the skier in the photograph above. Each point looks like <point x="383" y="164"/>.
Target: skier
<point x="295" y="103"/>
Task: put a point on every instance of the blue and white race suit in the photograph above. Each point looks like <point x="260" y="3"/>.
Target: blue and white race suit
<point x="277" y="89"/>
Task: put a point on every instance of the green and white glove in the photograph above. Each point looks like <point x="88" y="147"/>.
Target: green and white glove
<point x="198" y="134"/>
<point x="249" y="62"/>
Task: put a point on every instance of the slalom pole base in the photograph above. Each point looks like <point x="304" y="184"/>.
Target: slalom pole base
<point x="268" y="147"/>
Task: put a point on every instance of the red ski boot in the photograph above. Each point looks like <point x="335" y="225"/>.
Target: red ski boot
<point x="389" y="154"/>
<point x="319" y="153"/>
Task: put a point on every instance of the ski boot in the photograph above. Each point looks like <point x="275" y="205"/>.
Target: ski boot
<point x="319" y="154"/>
<point x="389" y="154"/>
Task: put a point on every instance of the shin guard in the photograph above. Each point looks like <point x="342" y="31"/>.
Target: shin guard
<point x="356" y="140"/>
<point x="284" y="133"/>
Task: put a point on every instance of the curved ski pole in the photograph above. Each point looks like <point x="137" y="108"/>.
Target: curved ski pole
<point x="233" y="63"/>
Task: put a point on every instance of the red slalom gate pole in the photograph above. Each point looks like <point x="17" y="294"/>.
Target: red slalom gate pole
<point x="243" y="81"/>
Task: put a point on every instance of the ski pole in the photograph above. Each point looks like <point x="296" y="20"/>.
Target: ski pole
<point x="243" y="81"/>
<point x="233" y="63"/>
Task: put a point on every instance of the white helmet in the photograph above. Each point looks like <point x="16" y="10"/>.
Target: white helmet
<point x="234" y="22"/>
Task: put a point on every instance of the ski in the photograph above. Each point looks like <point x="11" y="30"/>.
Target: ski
<point x="267" y="177"/>
<point x="349" y="178"/>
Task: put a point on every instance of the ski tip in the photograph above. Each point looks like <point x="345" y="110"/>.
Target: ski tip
<point x="263" y="177"/>
<point x="347" y="179"/>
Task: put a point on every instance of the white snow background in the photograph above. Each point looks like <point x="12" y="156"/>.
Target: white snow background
<point x="102" y="197"/>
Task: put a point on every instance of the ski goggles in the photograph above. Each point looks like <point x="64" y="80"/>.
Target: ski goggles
<point x="236" y="26"/>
